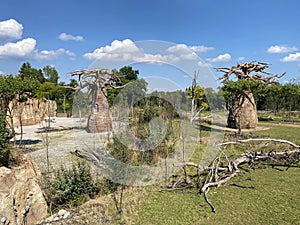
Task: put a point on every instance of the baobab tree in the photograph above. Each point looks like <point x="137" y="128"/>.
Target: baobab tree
<point x="97" y="81"/>
<point x="251" y="76"/>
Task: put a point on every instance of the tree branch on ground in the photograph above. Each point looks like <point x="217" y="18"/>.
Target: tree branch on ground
<point x="224" y="167"/>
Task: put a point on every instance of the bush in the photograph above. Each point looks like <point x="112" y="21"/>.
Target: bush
<point x="5" y="136"/>
<point x="70" y="187"/>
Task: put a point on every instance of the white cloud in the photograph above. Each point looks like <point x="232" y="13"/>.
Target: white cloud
<point x="10" y="30"/>
<point x="19" y="49"/>
<point x="220" y="58"/>
<point x="26" y="49"/>
<point x="121" y="50"/>
<point x="184" y="49"/>
<point x="1" y="72"/>
<point x="203" y="64"/>
<point x="281" y="49"/>
<point x="291" y="57"/>
<point x="242" y="58"/>
<point x="69" y="37"/>
<point x="53" y="54"/>
<point x="201" y="48"/>
<point x="156" y="58"/>
<point x="126" y="50"/>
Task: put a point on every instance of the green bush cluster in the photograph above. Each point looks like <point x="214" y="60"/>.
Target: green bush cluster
<point x="71" y="186"/>
<point x="5" y="136"/>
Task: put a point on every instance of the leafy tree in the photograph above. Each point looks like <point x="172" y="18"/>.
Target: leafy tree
<point x="126" y="74"/>
<point x="14" y="90"/>
<point x="27" y="72"/>
<point x="232" y="89"/>
<point x="129" y="74"/>
<point x="51" y="74"/>
<point x="199" y="102"/>
<point x="48" y="90"/>
<point x="66" y="95"/>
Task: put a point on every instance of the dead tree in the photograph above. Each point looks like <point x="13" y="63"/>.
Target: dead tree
<point x="97" y="81"/>
<point x="224" y="167"/>
<point x="243" y="113"/>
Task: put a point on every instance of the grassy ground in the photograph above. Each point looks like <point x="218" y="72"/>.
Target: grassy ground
<point x="275" y="198"/>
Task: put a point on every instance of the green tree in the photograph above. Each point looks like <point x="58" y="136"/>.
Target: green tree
<point x="66" y="96"/>
<point x="126" y="74"/>
<point x="27" y="72"/>
<point x="51" y="74"/>
<point x="199" y="102"/>
<point x="14" y="90"/>
<point x="48" y="90"/>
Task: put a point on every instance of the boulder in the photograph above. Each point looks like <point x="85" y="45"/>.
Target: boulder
<point x="21" y="198"/>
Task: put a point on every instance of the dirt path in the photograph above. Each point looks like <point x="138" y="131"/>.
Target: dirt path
<point x="61" y="143"/>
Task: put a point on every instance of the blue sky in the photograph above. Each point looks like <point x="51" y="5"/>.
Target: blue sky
<point x="71" y="35"/>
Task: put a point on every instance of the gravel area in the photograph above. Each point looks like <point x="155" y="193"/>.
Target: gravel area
<point x="71" y="136"/>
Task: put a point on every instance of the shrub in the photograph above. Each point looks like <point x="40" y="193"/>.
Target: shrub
<point x="5" y="136"/>
<point x="70" y="187"/>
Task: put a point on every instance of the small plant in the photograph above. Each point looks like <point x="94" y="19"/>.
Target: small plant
<point x="71" y="186"/>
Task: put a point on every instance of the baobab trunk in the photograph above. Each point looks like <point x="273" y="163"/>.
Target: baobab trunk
<point x="100" y="119"/>
<point x="243" y="113"/>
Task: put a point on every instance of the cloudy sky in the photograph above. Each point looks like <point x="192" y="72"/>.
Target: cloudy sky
<point x="74" y="35"/>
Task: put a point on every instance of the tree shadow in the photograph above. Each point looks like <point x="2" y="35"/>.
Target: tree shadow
<point x="27" y="142"/>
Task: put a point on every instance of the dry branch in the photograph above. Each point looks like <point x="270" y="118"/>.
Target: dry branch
<point x="218" y="175"/>
<point x="243" y="70"/>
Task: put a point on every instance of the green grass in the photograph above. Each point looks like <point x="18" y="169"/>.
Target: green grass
<point x="275" y="198"/>
<point x="280" y="131"/>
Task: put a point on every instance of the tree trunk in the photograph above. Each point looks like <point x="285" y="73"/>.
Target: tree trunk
<point x="243" y="113"/>
<point x="100" y="119"/>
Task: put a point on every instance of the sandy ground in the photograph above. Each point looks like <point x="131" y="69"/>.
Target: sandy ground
<point x="61" y="143"/>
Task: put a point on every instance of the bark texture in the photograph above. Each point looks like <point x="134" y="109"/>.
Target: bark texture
<point x="100" y="119"/>
<point x="243" y="114"/>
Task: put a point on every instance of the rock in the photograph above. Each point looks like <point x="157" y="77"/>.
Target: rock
<point x="33" y="111"/>
<point x="3" y="220"/>
<point x="66" y="215"/>
<point x="15" y="186"/>
<point x="61" y="212"/>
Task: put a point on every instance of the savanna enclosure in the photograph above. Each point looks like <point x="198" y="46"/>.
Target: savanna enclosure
<point x="250" y="177"/>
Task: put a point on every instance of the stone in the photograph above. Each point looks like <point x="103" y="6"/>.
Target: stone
<point x="33" y="111"/>
<point x="3" y="220"/>
<point x="15" y="185"/>
<point x="66" y="215"/>
<point x="61" y="213"/>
